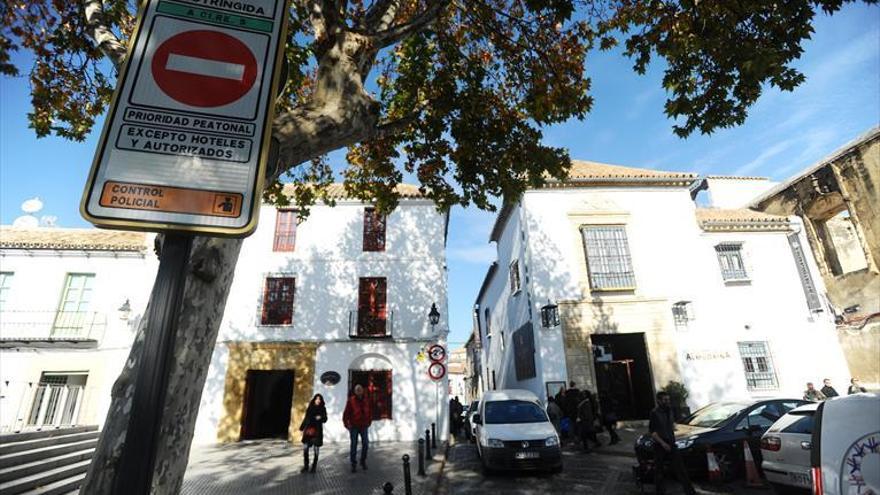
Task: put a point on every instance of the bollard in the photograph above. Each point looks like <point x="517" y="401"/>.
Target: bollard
<point x="433" y="435"/>
<point x="422" y="456"/>
<point x="407" y="479"/>
<point x="388" y="487"/>
<point x="427" y="446"/>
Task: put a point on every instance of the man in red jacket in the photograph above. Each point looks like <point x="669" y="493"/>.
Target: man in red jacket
<point x="357" y="417"/>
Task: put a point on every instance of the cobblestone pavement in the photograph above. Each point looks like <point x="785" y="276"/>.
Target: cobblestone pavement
<point x="272" y="467"/>
<point x="583" y="474"/>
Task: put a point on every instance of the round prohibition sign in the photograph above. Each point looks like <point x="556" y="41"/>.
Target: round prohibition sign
<point x="437" y="353"/>
<point x="203" y="68"/>
<point x="436" y="371"/>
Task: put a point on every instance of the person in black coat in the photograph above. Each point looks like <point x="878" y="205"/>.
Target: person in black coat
<point x="312" y="427"/>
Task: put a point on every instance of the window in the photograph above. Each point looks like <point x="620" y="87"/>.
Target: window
<point x="278" y="301"/>
<point x="682" y="313"/>
<point x="75" y="300"/>
<point x="285" y="230"/>
<point x="843" y="250"/>
<point x="514" y="277"/>
<point x="5" y="287"/>
<point x="761" y="417"/>
<point x="608" y="259"/>
<point x="758" y="366"/>
<point x="372" y="307"/>
<point x="377" y="390"/>
<point x="51" y="405"/>
<point x="374" y="230"/>
<point x="488" y="328"/>
<point x="802" y="425"/>
<point x="731" y="261"/>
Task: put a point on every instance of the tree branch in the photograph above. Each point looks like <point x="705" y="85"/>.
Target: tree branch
<point x="105" y="39"/>
<point x="396" y="33"/>
<point x="380" y="15"/>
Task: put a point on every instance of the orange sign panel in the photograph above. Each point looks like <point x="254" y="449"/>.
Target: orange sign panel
<point x="170" y="199"/>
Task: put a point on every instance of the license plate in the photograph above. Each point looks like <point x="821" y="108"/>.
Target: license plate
<point x="526" y="455"/>
<point x="800" y="479"/>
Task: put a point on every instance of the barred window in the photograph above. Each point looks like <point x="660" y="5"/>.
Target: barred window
<point x="285" y="230"/>
<point x="731" y="261"/>
<point x="514" y="277"/>
<point x="278" y="301"/>
<point x="758" y="366"/>
<point x="608" y="259"/>
<point x="682" y="313"/>
<point x="374" y="230"/>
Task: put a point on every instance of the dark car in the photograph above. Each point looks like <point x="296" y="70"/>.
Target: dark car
<point x="722" y="426"/>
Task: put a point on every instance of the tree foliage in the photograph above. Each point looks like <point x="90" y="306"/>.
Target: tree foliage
<point x="456" y="92"/>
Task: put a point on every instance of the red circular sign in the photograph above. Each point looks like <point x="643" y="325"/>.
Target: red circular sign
<point x="436" y="371"/>
<point x="204" y="68"/>
<point x="437" y="353"/>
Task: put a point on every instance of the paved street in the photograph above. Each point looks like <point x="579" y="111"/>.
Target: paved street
<point x="271" y="467"/>
<point x="598" y="473"/>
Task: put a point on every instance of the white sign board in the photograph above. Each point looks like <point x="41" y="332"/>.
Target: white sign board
<point x="186" y="141"/>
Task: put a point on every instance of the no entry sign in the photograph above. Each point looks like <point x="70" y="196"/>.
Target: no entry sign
<point x="185" y="144"/>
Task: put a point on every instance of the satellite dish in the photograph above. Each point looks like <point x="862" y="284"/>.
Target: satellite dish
<point x="32" y="205"/>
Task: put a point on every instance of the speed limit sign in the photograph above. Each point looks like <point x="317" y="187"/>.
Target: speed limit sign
<point x="436" y="371"/>
<point x="437" y="353"/>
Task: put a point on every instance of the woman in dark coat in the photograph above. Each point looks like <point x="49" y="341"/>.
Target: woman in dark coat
<point x="313" y="430"/>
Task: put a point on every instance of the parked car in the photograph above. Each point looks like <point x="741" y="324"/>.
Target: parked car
<point x="468" y="421"/>
<point x="845" y="454"/>
<point x="722" y="426"/>
<point x="785" y="449"/>
<point x="513" y="431"/>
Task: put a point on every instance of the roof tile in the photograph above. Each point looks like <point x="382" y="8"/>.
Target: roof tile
<point x="71" y="239"/>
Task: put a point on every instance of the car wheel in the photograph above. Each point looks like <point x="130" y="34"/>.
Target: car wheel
<point x="727" y="464"/>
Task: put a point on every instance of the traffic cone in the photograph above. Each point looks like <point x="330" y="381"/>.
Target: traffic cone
<point x="753" y="479"/>
<point x="714" y="470"/>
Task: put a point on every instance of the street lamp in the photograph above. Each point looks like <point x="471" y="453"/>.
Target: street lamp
<point x="550" y="315"/>
<point x="434" y="316"/>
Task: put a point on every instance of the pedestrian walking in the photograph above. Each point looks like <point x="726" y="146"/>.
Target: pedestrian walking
<point x="455" y="409"/>
<point x="569" y="407"/>
<point x="608" y="409"/>
<point x="662" y="428"/>
<point x="554" y="412"/>
<point x="828" y="390"/>
<point x="586" y="427"/>
<point x="813" y="395"/>
<point x="855" y="387"/>
<point x="357" y="418"/>
<point x="312" y="428"/>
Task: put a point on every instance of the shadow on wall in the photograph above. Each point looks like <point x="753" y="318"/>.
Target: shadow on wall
<point x="324" y="308"/>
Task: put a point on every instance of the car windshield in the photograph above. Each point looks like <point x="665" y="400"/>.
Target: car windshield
<point x="715" y="414"/>
<point x="474" y="406"/>
<point x="513" y="411"/>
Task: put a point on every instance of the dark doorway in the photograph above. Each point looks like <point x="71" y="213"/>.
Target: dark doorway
<point x="623" y="372"/>
<point x="268" y="396"/>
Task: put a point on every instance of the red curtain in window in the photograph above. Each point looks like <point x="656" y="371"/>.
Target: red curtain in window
<point x="374" y="230"/>
<point x="285" y="231"/>
<point x="278" y="301"/>
<point x="377" y="388"/>
<point x="372" y="307"/>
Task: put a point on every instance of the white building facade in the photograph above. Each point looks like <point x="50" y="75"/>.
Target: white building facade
<point x="653" y="289"/>
<point x="70" y="302"/>
<point x="317" y="306"/>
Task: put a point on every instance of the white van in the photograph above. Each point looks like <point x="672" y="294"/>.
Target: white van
<point x="845" y="447"/>
<point x="513" y="431"/>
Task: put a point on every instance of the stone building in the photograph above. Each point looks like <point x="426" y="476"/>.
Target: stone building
<point x="838" y="201"/>
<point x="652" y="287"/>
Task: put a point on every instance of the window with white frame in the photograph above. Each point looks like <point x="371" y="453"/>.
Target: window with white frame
<point x="758" y="366"/>
<point x="5" y="287"/>
<point x="730" y="259"/>
<point x="514" y="277"/>
<point x="72" y="315"/>
<point x="608" y="259"/>
<point x="683" y="313"/>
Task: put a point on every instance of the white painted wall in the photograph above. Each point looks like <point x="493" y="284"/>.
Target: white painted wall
<point x="673" y="260"/>
<point x="36" y="290"/>
<point x="327" y="262"/>
<point x="729" y="192"/>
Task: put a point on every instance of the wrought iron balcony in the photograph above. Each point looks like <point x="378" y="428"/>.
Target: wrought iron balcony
<point x="363" y="324"/>
<point x="78" y="328"/>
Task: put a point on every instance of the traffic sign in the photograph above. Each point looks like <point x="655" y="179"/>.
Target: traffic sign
<point x="437" y="353"/>
<point x="185" y="144"/>
<point x="436" y="370"/>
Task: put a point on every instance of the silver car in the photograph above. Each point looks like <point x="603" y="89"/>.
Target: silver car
<point x="785" y="449"/>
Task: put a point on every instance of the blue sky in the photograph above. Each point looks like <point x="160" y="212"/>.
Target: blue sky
<point x="784" y="133"/>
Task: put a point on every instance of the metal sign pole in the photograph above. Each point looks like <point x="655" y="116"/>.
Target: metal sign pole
<point x="135" y="473"/>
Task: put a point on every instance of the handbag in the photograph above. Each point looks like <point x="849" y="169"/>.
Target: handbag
<point x="310" y="433"/>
